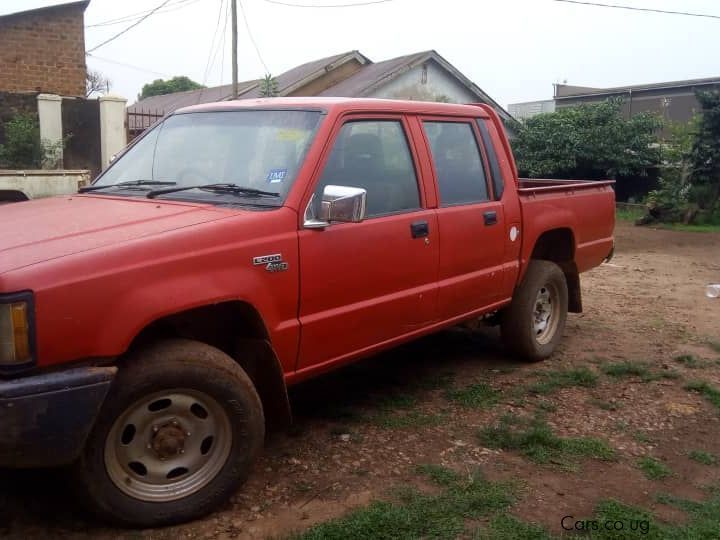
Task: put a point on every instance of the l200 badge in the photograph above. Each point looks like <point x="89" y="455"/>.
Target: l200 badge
<point x="273" y="263"/>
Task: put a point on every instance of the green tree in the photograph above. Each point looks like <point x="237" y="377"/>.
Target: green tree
<point x="704" y="157"/>
<point x="589" y="141"/>
<point x="160" y="87"/>
<point x="269" y="86"/>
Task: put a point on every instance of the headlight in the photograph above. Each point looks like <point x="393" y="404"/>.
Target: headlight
<point x="16" y="330"/>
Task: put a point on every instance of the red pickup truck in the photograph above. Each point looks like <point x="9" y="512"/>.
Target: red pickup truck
<point x="150" y="325"/>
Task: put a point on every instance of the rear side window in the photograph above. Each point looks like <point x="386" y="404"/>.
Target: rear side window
<point x="458" y="163"/>
<point x="497" y="179"/>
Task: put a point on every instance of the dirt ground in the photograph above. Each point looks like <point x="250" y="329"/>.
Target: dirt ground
<point x="362" y="430"/>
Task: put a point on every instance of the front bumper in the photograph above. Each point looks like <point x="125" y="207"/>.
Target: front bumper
<point x="45" y="419"/>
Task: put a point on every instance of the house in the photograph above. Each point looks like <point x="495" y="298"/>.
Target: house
<point x="674" y="101"/>
<point x="421" y="76"/>
<point x="43" y="50"/>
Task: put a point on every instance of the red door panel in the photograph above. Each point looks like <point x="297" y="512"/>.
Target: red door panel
<point x="365" y="283"/>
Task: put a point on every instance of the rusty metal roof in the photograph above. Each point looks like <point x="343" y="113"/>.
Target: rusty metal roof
<point x="287" y="82"/>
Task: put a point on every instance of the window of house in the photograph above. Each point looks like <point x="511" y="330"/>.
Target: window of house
<point x="458" y="163"/>
<point x="374" y="155"/>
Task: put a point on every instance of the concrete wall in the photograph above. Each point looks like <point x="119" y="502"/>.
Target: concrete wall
<point x="36" y="184"/>
<point x="44" y="51"/>
<point x="432" y="84"/>
<point x="522" y="111"/>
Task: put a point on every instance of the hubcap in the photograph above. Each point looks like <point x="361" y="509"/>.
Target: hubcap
<point x="544" y="320"/>
<point x="168" y="445"/>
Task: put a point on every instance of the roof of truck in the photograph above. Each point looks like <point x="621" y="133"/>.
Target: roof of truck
<point x="341" y="104"/>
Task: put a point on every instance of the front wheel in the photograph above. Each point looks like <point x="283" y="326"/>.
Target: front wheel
<point x="533" y="323"/>
<point x="178" y="433"/>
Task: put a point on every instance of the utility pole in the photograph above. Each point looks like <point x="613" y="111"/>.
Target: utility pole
<point x="233" y="5"/>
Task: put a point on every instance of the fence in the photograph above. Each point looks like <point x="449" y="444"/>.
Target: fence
<point x="139" y="121"/>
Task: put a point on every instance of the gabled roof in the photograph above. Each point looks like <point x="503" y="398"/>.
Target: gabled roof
<point x="287" y="82"/>
<point x="374" y="76"/>
<point x="362" y="83"/>
<point x="83" y="4"/>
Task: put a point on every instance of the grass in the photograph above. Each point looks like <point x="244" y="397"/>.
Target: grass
<point x="653" y="469"/>
<point x="690" y="361"/>
<point x="642" y="437"/>
<point x="626" y="369"/>
<point x="414" y="514"/>
<point x="709" y="392"/>
<point x="477" y="396"/>
<point x="630" y="213"/>
<point x="535" y="440"/>
<point x="629" y="368"/>
<point x="507" y="527"/>
<point x="554" y="380"/>
<point x="702" y="457"/>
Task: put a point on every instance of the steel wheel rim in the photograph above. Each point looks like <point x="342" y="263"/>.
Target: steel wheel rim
<point x="545" y="314"/>
<point x="168" y="445"/>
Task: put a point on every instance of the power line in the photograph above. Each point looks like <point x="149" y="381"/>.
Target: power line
<point x="138" y="68"/>
<point x="211" y="56"/>
<point x="358" y="4"/>
<point x="252" y="39"/>
<point x="129" y="27"/>
<point x="631" y="8"/>
<point x="224" y="33"/>
<point x="134" y="16"/>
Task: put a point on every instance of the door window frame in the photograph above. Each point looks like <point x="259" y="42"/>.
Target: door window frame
<point x="353" y="117"/>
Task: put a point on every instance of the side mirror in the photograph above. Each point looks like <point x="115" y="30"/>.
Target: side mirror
<point x="339" y="203"/>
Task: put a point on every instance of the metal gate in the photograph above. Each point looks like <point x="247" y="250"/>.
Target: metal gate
<point x="139" y="121"/>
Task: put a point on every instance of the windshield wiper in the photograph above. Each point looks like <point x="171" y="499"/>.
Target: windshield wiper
<point x="128" y="183"/>
<point x="220" y="188"/>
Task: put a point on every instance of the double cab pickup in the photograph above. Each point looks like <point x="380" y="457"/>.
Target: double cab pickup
<point x="151" y="324"/>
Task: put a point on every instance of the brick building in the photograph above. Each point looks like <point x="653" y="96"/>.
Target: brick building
<point x="43" y="50"/>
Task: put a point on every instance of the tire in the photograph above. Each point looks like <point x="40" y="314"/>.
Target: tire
<point x="177" y="435"/>
<point x="522" y="321"/>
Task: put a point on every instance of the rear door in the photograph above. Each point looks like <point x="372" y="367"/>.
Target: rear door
<point x="365" y="284"/>
<point x="471" y="222"/>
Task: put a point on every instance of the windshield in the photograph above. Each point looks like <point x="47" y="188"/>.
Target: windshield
<point x="256" y="149"/>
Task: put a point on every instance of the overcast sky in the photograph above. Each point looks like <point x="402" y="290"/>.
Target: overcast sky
<point x="513" y="49"/>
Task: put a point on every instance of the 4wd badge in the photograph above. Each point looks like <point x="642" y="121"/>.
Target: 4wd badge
<point x="273" y="263"/>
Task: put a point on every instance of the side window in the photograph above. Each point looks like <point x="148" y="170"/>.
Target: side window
<point x="374" y="155"/>
<point x="458" y="163"/>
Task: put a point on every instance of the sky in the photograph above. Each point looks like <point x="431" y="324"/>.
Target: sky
<point x="513" y="49"/>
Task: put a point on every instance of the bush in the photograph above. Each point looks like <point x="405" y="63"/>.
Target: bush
<point x="23" y="148"/>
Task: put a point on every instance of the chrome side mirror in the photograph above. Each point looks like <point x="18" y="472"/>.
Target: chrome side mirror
<point x="339" y="203"/>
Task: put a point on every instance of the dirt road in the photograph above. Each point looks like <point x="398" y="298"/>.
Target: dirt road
<point x="620" y="379"/>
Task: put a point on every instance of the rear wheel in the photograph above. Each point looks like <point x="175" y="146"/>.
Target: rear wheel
<point x="177" y="435"/>
<point x="533" y="324"/>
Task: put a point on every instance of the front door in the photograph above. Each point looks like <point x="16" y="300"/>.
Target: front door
<point x="365" y="284"/>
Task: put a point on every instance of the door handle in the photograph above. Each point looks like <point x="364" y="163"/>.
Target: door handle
<point x="490" y="218"/>
<point x="419" y="229"/>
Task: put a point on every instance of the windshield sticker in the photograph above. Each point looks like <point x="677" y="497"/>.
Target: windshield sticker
<point x="290" y="135"/>
<point x="275" y="176"/>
